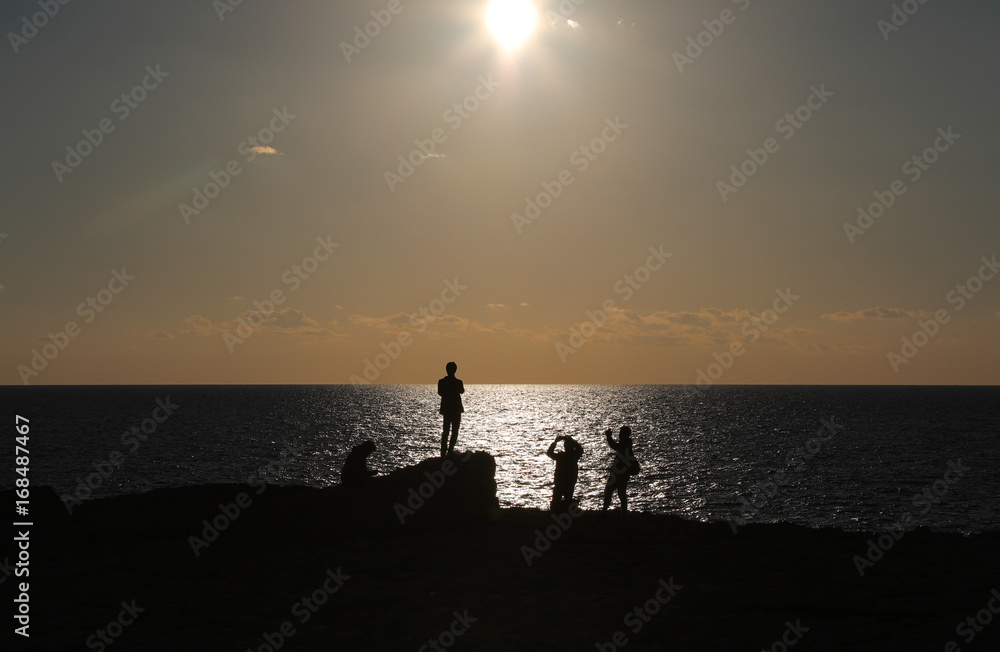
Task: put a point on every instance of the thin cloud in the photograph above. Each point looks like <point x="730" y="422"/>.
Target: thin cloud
<point x="288" y="321"/>
<point x="197" y="325"/>
<point x="878" y="312"/>
<point x="709" y="327"/>
<point x="392" y="323"/>
<point x="267" y="151"/>
<point x="291" y="322"/>
<point x="438" y="327"/>
<point x="575" y="17"/>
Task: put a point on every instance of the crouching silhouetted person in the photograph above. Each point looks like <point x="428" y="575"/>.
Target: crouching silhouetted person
<point x="622" y="468"/>
<point x="355" y="473"/>
<point x="567" y="469"/>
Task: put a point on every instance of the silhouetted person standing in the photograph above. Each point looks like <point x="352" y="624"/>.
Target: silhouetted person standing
<point x="567" y="469"/>
<point x="622" y="468"/>
<point x="450" y="389"/>
<point x="355" y="472"/>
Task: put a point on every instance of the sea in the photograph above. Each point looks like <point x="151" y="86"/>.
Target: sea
<point x="847" y="457"/>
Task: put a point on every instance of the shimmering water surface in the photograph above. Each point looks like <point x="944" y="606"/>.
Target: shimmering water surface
<point x="701" y="449"/>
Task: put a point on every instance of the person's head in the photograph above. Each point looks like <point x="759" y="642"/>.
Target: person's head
<point x="625" y="434"/>
<point x="451" y="368"/>
<point x="368" y="447"/>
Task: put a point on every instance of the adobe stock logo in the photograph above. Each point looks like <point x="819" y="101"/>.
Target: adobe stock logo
<point x="698" y="43"/>
<point x="627" y="286"/>
<point x="581" y="158"/>
<point x="88" y="309"/>
<point x="914" y="168"/>
<point x="38" y="20"/>
<point x="788" y="125"/>
<point x="266" y="309"/>
<point x="753" y="329"/>
<point x="363" y="36"/>
<point x="392" y="349"/>
<point x="960" y="296"/>
<point x="454" y="116"/>
<point x="122" y="106"/>
<point x="899" y="17"/>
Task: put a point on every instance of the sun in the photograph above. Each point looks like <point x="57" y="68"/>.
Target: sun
<point x="511" y="21"/>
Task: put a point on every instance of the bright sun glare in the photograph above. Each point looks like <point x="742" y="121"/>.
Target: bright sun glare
<point x="511" y="21"/>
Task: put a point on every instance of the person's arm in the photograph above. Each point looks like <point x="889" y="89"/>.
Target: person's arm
<point x="552" y="448"/>
<point x="461" y="387"/>
<point x="440" y="391"/>
<point x="611" y="442"/>
<point x="576" y="449"/>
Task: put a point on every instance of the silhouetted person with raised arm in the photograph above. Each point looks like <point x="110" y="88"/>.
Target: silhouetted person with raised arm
<point x="567" y="469"/>
<point x="622" y="468"/>
<point x="355" y="473"/>
<point x="450" y="389"/>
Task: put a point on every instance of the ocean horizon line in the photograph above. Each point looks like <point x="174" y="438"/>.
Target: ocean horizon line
<point x="578" y="384"/>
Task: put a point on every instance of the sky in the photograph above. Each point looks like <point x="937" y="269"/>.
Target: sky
<point x="711" y="192"/>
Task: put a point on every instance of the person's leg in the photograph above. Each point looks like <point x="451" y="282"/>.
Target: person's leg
<point x="456" y="420"/>
<point x="623" y="494"/>
<point x="566" y="494"/>
<point x="609" y="489"/>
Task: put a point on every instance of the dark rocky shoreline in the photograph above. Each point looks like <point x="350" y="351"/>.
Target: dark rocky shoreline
<point x="322" y="569"/>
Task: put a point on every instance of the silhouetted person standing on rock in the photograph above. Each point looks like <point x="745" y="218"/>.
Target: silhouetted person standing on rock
<point x="450" y="389"/>
<point x="355" y="473"/>
<point x="622" y="468"/>
<point x="567" y="469"/>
